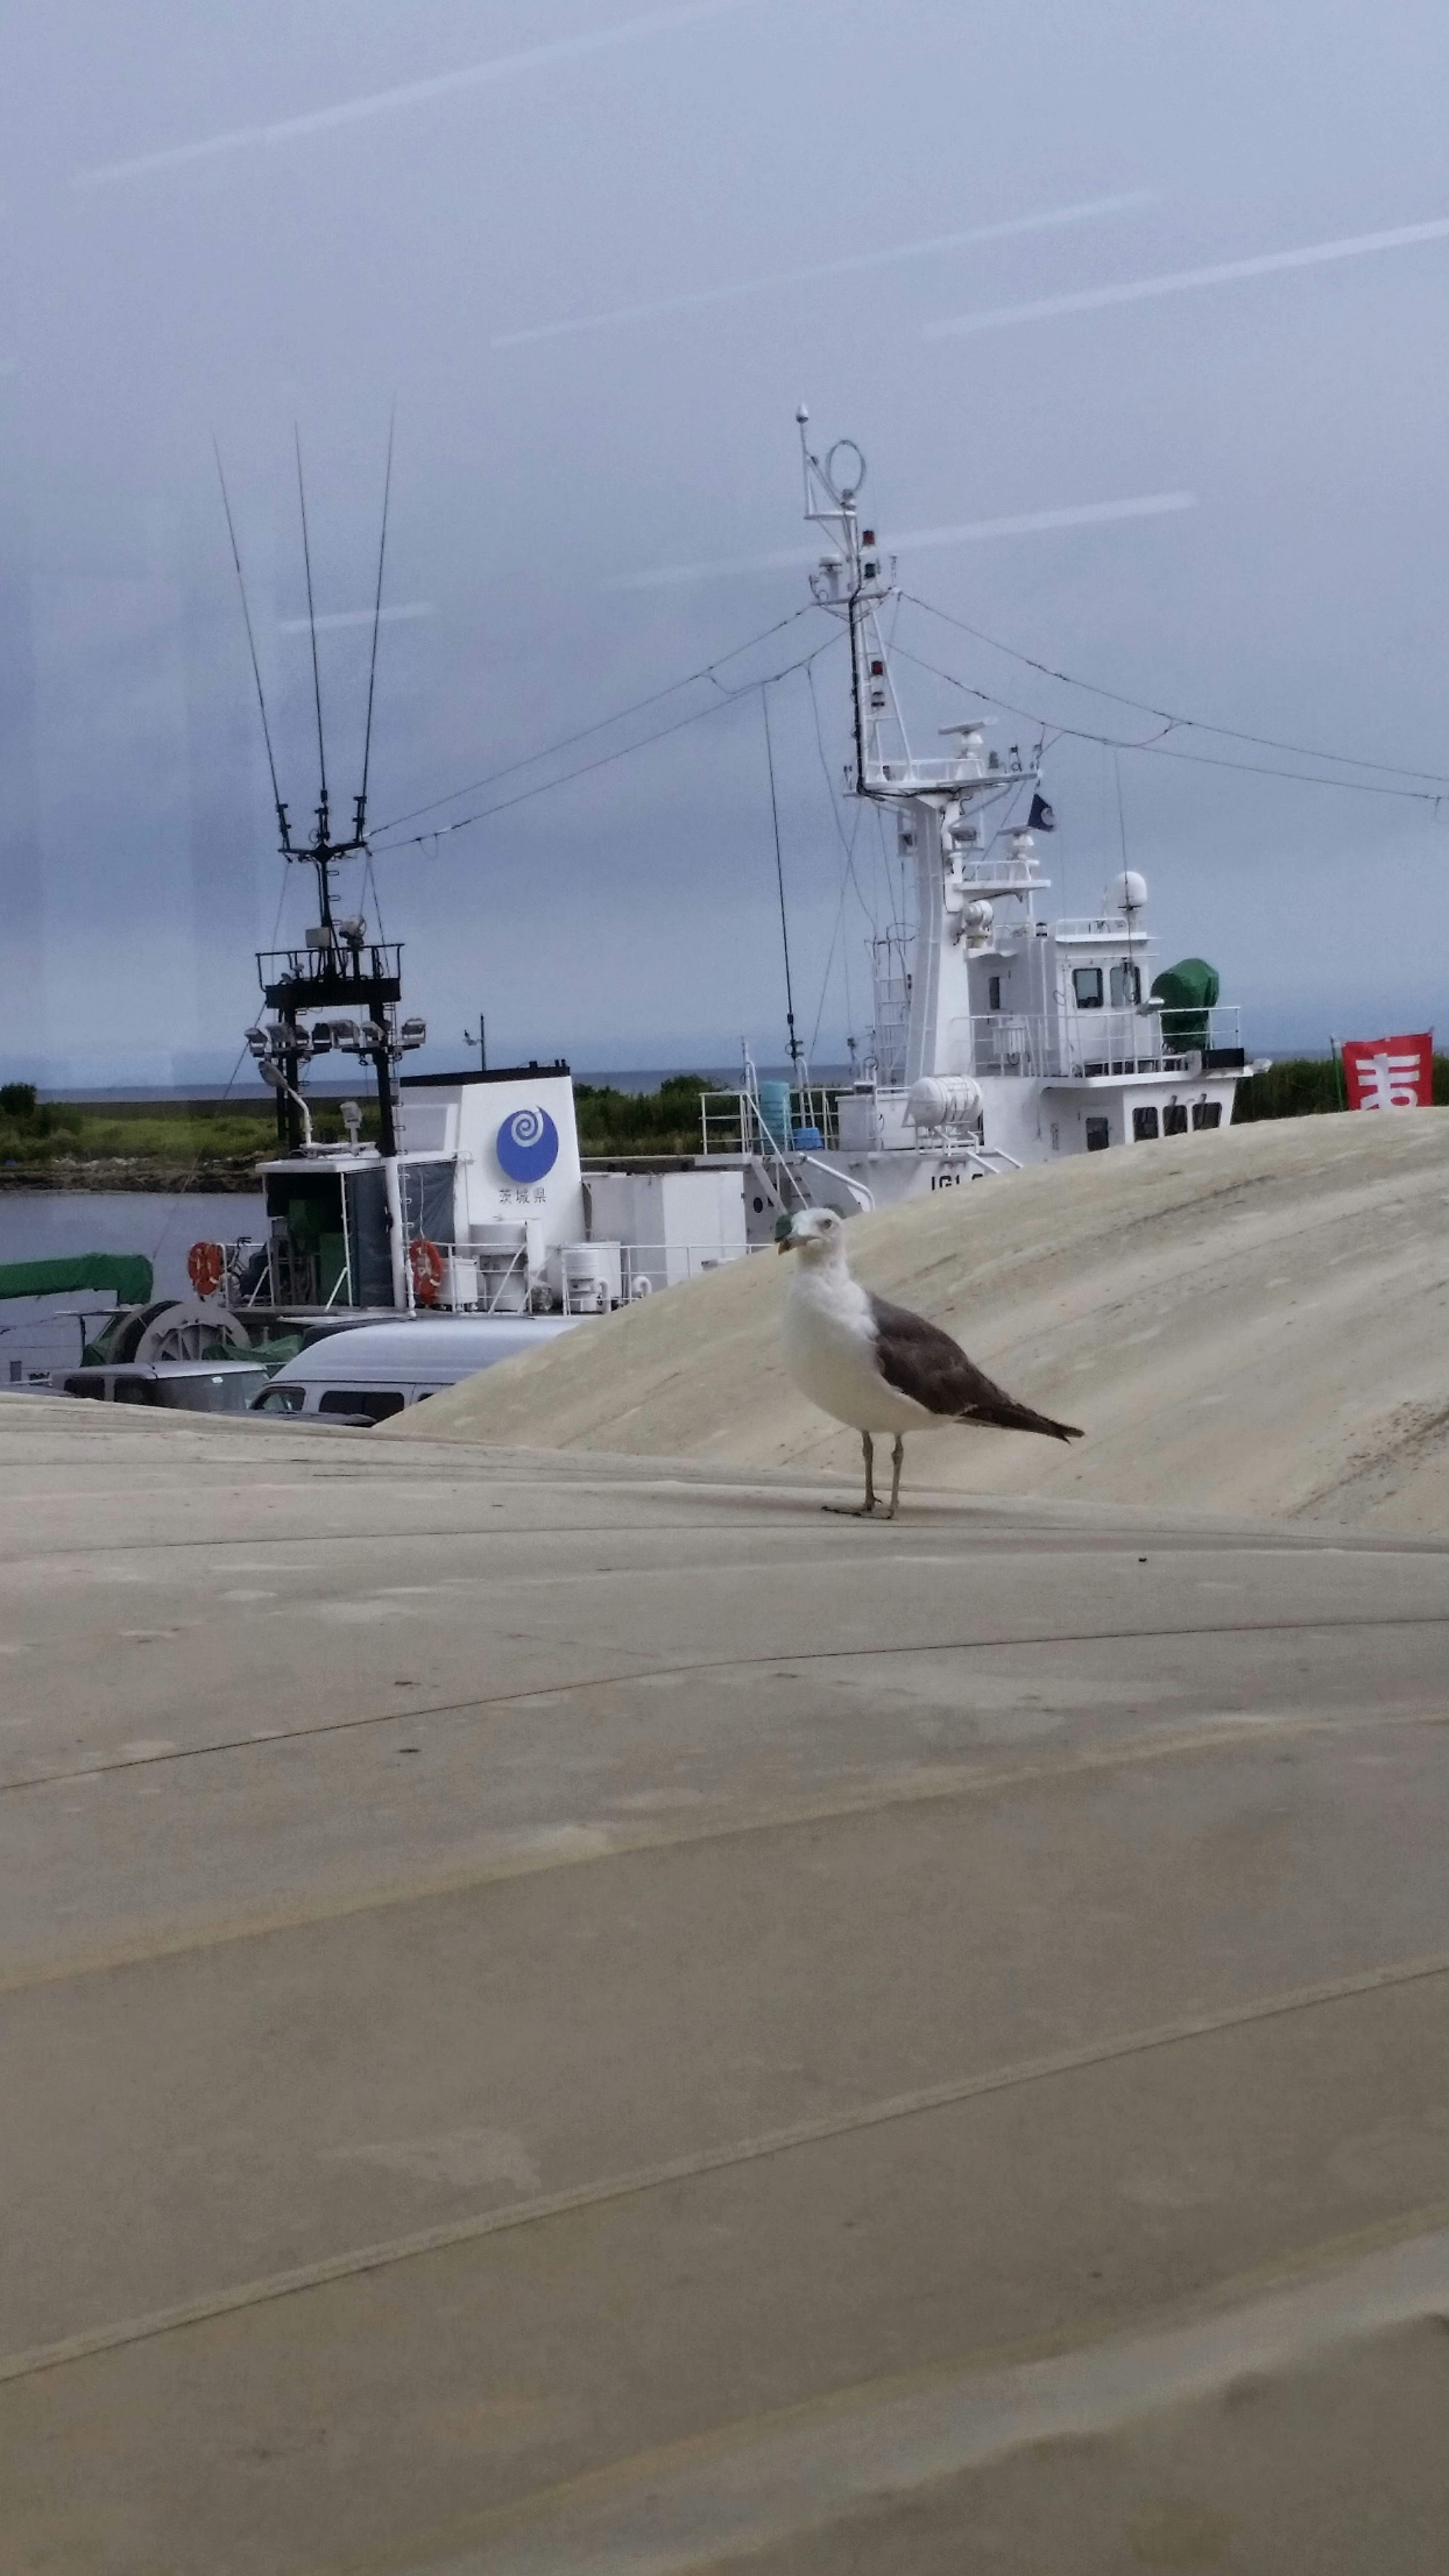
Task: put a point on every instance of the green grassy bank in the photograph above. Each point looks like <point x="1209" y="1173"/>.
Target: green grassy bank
<point x="1305" y="1087"/>
<point x="216" y="1144"/>
<point x="210" y="1145"/>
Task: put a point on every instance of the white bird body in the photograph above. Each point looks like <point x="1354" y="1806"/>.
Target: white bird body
<point x="877" y="1366"/>
<point x="828" y="1335"/>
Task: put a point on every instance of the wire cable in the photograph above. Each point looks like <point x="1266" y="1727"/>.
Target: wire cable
<point x="360" y="823"/>
<point x="505" y="804"/>
<point x="780" y="881"/>
<point x="184" y="1191"/>
<point x="1156" y="746"/>
<point x="251" y="644"/>
<point x="707" y="671"/>
<point x="312" y="624"/>
<point x="1195" y="724"/>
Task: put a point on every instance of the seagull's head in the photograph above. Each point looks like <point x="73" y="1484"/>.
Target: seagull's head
<point x="817" y="1234"/>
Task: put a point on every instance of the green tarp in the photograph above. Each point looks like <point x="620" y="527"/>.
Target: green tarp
<point x="128" y="1273"/>
<point x="1189" y="991"/>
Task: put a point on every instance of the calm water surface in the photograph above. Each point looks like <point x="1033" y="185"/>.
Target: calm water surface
<point x="41" y="1225"/>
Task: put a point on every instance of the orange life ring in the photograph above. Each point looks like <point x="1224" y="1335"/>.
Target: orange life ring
<point x="206" y="1268"/>
<point x="427" y="1268"/>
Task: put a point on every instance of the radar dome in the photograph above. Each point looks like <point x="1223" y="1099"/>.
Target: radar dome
<point x="1127" y="893"/>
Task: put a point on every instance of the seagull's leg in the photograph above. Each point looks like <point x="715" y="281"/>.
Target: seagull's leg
<point x="859" y="1511"/>
<point x="897" y="1455"/>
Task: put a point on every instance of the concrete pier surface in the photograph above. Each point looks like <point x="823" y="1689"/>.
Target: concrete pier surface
<point x="572" y="2013"/>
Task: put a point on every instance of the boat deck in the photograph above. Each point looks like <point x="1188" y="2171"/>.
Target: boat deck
<point x="565" y="2013"/>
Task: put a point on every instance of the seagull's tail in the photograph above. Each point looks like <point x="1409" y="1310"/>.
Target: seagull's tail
<point x="1007" y="1415"/>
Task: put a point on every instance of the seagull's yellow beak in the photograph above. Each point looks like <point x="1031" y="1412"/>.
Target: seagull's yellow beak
<point x="785" y="1244"/>
<point x="784" y="1234"/>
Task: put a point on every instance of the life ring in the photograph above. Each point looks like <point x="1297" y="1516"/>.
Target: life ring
<point x="206" y="1268"/>
<point x="426" y="1262"/>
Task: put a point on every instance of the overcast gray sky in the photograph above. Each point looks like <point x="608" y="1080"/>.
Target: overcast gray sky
<point x="1035" y="261"/>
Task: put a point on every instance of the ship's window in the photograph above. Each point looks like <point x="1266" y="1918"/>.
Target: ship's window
<point x="993" y="993"/>
<point x="374" y="1403"/>
<point x="1126" y="987"/>
<point x="1145" y="1125"/>
<point x="1099" y="1132"/>
<point x="1174" y="1118"/>
<point x="1087" y="986"/>
<point x="1207" y="1113"/>
<point x="137" y="1390"/>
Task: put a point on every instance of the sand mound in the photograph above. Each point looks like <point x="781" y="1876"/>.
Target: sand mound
<point x="1255" y="1322"/>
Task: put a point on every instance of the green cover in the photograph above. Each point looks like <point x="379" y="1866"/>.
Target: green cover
<point x="128" y="1273"/>
<point x="1189" y="990"/>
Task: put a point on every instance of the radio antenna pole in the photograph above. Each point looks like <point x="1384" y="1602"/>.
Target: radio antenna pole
<point x="252" y="649"/>
<point x="312" y="627"/>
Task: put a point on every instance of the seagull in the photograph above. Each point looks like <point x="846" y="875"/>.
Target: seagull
<point x="879" y="1367"/>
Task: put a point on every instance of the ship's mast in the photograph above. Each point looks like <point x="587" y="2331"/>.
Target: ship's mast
<point x="940" y="805"/>
<point x="339" y="969"/>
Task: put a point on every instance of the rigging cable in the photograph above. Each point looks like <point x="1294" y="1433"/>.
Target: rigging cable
<point x="780" y="879"/>
<point x="312" y="624"/>
<point x="178" y="1195"/>
<point x="476" y="786"/>
<point x="251" y="646"/>
<point x="1157" y="746"/>
<point x="1194" y="724"/>
<point x="361" y="816"/>
<point x="729" y="697"/>
<point x="849" y="880"/>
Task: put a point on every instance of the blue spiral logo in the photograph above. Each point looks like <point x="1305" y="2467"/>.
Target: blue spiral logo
<point x="527" y="1145"/>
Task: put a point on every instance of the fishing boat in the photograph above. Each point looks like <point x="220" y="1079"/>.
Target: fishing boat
<point x="1002" y="1037"/>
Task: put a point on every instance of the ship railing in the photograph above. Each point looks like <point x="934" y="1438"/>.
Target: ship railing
<point x="1011" y="1042"/>
<point x="1102" y="925"/>
<point x="505" y="1278"/>
<point x="335" y="961"/>
<point x="1077" y="1045"/>
<point x="777" y="1119"/>
<point x="596" y="1276"/>
<point x="1205" y="1041"/>
<point x="575" y="1278"/>
<point x="912" y="777"/>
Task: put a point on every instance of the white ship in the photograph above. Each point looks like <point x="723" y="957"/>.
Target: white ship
<point x="1001" y="1037"/>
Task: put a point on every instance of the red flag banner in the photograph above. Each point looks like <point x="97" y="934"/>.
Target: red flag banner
<point x="1389" y="1073"/>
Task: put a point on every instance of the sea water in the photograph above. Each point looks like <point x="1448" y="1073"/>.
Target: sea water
<point x="44" y="1225"/>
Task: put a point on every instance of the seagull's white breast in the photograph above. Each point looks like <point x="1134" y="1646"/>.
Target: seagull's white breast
<point x="829" y="1341"/>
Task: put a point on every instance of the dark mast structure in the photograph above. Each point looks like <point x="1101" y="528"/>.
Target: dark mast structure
<point x="338" y="969"/>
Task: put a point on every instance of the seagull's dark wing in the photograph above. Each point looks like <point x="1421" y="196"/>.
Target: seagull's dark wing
<point x="919" y="1360"/>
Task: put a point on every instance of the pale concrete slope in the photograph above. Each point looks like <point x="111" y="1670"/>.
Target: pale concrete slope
<point x="1255" y="1322"/>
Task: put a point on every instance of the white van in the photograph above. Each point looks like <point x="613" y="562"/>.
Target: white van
<point x="361" y="1373"/>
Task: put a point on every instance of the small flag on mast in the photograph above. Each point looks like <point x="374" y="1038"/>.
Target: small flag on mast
<point x="1041" y="818"/>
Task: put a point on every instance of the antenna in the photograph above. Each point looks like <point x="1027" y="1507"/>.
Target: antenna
<point x="360" y="816"/>
<point x="252" y="649"/>
<point x="795" y="1049"/>
<point x="312" y="624"/>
